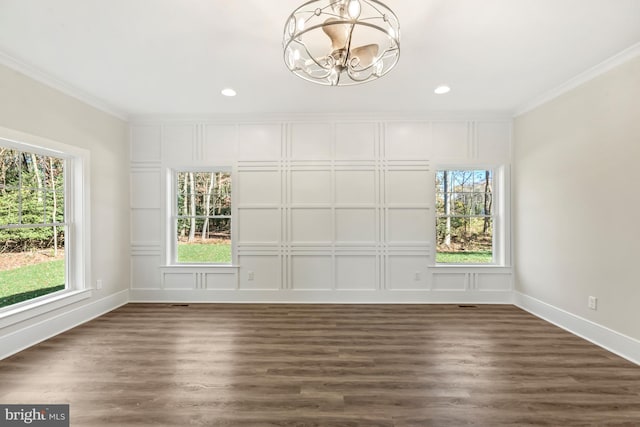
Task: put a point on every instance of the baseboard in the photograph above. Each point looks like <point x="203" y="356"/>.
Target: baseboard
<point x="35" y="333"/>
<point x="320" y="297"/>
<point x="615" y="342"/>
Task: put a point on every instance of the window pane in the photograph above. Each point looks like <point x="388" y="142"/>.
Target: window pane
<point x="440" y="181"/>
<point x="482" y="204"/>
<point x="222" y="194"/>
<point x="32" y="206"/>
<point x="464" y="240"/>
<point x="202" y="238"/>
<point x="212" y="243"/>
<point x="31" y="263"/>
<point x="460" y="180"/>
<point x="459" y="203"/>
<point x="55" y="206"/>
<point x="9" y="206"/>
<point x="10" y="172"/>
<point x="51" y="171"/>
<point x="31" y="258"/>
<point x="440" y="198"/>
<point x="466" y="198"/>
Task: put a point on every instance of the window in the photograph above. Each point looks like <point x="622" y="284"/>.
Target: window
<point x="465" y="216"/>
<point x="33" y="225"/>
<point x="203" y="217"/>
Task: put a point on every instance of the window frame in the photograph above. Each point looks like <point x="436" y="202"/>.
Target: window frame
<point x="500" y="215"/>
<point x="77" y="229"/>
<point x="173" y="216"/>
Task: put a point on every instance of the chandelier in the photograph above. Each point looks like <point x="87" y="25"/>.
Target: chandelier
<point x="341" y="42"/>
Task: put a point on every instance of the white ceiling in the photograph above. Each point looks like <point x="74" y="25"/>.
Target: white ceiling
<point x="145" y="57"/>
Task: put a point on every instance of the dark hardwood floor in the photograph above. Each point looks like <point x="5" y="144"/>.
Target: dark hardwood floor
<point x="324" y="365"/>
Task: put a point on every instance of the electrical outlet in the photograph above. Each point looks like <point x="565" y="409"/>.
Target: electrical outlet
<point x="250" y="275"/>
<point x="593" y="303"/>
<point x="416" y="276"/>
<point x="99" y="284"/>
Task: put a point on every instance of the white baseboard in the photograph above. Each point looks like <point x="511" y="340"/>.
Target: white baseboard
<point x="33" y="334"/>
<point x="615" y="342"/>
<point x="320" y="297"/>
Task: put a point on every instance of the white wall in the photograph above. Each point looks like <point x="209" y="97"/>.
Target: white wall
<point x="30" y="107"/>
<point x="326" y="209"/>
<point x="576" y="221"/>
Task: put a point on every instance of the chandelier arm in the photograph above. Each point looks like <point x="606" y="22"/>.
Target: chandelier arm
<point x="352" y="71"/>
<point x="312" y="57"/>
<point x="347" y="55"/>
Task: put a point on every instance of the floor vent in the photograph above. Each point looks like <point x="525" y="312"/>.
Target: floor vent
<point x="467" y="306"/>
<point x="179" y="305"/>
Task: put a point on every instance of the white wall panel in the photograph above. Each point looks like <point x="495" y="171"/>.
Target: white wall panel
<point x="311" y="226"/>
<point x="409" y="225"/>
<point x="311" y="272"/>
<point x="145" y="272"/>
<point x="178" y="144"/>
<point x="310" y="187"/>
<point x="257" y="188"/>
<point x="311" y="141"/>
<point x="220" y="143"/>
<point x="355" y="141"/>
<point x="451" y="140"/>
<point x="226" y="281"/>
<point x="146" y="227"/>
<point x="493" y="282"/>
<point x="259" y="142"/>
<point x="409" y="187"/>
<point x="407" y="272"/>
<point x="356" y="272"/>
<point x="146" y="143"/>
<point x="179" y="280"/>
<point x="355" y="226"/>
<point x="258" y="226"/>
<point x="449" y="281"/>
<point x="260" y="272"/>
<point x="355" y="187"/>
<point x="407" y="141"/>
<point x="145" y="189"/>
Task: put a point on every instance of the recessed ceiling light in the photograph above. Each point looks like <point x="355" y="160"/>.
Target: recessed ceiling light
<point x="442" y="89"/>
<point x="228" y="92"/>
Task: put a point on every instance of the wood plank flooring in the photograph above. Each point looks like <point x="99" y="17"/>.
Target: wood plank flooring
<point x="324" y="365"/>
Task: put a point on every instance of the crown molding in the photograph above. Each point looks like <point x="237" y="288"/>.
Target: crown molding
<point x="590" y="74"/>
<point x="60" y="85"/>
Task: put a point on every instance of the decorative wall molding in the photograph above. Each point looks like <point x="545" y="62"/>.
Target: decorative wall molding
<point x="322" y="208"/>
<point x="615" y="342"/>
<point x="60" y="85"/>
<point x="33" y="334"/>
<point x="590" y="74"/>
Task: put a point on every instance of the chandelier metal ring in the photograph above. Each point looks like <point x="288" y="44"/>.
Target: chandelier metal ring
<point x="341" y="42"/>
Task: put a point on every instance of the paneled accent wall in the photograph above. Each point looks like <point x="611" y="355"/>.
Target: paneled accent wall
<point x="324" y="210"/>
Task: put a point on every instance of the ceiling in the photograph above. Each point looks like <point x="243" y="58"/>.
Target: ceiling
<point x="166" y="57"/>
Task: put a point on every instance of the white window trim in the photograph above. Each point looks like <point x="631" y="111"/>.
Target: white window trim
<point x="77" y="211"/>
<point x="171" y="242"/>
<point x="501" y="216"/>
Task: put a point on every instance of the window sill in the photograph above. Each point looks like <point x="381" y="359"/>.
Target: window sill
<point x="200" y="266"/>
<point x="445" y="266"/>
<point x="37" y="308"/>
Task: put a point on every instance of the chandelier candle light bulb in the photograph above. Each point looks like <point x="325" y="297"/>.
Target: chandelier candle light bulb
<point x="341" y="42"/>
